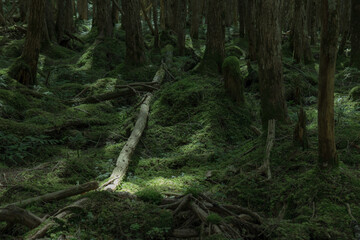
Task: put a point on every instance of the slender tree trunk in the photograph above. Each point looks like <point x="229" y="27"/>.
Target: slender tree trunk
<point x="170" y="18"/>
<point x="25" y="68"/>
<point x="195" y="6"/>
<point x="251" y="27"/>
<point x="82" y="7"/>
<point x="1" y="8"/>
<point x="328" y="53"/>
<point x="65" y="21"/>
<point x="104" y="22"/>
<point x="273" y="104"/>
<point x="162" y="15"/>
<point x="50" y="20"/>
<point x="156" y="24"/>
<point x="23" y="9"/>
<point x="355" y="33"/>
<point x="215" y="37"/>
<point x="133" y="39"/>
<point x="2" y="19"/>
<point x="115" y="13"/>
<point x="229" y="5"/>
<point x="242" y="12"/>
<point x="300" y="40"/>
<point x="312" y="19"/>
<point x="345" y="23"/>
<point x="180" y="25"/>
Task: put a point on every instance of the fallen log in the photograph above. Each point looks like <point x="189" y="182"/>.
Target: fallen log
<point x="125" y="155"/>
<point x="16" y="215"/>
<point x="50" y="222"/>
<point x="76" y="190"/>
<point x="121" y="91"/>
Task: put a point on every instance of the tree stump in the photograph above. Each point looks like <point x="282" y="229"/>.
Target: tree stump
<point x="234" y="84"/>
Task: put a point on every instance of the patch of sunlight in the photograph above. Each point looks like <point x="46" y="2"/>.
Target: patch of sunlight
<point x="130" y="187"/>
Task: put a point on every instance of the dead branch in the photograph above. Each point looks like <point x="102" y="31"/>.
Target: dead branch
<point x="76" y="190"/>
<point x="269" y="144"/>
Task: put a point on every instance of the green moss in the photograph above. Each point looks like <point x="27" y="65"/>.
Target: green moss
<point x="234" y="51"/>
<point x="13" y="49"/>
<point x="14" y="99"/>
<point x="232" y="66"/>
<point x="214" y="218"/>
<point x="150" y="195"/>
<point x="355" y="94"/>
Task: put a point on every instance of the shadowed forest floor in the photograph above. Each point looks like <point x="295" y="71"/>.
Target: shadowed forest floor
<point x="197" y="140"/>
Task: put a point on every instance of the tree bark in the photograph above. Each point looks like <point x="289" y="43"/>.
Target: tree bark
<point x="65" y="21"/>
<point x="82" y="7"/>
<point x="23" y="9"/>
<point x="251" y="27"/>
<point x="13" y="214"/>
<point x="355" y="33"/>
<point x="50" y="20"/>
<point x="242" y="12"/>
<point x="25" y="68"/>
<point x="133" y="38"/>
<point x="196" y="7"/>
<point x="328" y="53"/>
<point x="104" y="22"/>
<point x="300" y="41"/>
<point x="312" y="18"/>
<point x="345" y="23"/>
<point x="180" y="10"/>
<point x="215" y="37"/>
<point x="156" y="23"/>
<point x="273" y="104"/>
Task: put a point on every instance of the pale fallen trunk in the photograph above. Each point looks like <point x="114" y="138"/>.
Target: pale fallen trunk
<point x="76" y="190"/>
<point x="269" y="144"/>
<point x="128" y="150"/>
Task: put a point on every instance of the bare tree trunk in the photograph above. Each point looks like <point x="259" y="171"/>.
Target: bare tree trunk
<point x="180" y="10"/>
<point x="345" y="23"/>
<point x="300" y="41"/>
<point x="65" y="21"/>
<point x="162" y="15"/>
<point x="50" y="20"/>
<point x="273" y="104"/>
<point x="133" y="39"/>
<point x="215" y="37"/>
<point x="229" y="5"/>
<point x="328" y="53"/>
<point x="82" y="7"/>
<point x="242" y="12"/>
<point x="196" y="7"/>
<point x="104" y="22"/>
<point x="156" y="24"/>
<point x="312" y="18"/>
<point x="251" y="27"/>
<point x="23" y="9"/>
<point x="355" y="33"/>
<point x="25" y="68"/>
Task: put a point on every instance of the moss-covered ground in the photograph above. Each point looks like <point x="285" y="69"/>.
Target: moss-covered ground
<point x="197" y="139"/>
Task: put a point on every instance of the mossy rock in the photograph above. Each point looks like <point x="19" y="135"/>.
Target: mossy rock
<point x="234" y="51"/>
<point x="355" y="93"/>
<point x="233" y="82"/>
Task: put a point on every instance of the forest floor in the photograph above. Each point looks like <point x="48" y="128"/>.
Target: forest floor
<point x="196" y="141"/>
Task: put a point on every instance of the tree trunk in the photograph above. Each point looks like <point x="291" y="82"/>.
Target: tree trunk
<point x="133" y="39"/>
<point x="328" y="53"/>
<point x="82" y="7"/>
<point x="215" y="38"/>
<point x="104" y="22"/>
<point x="345" y="23"/>
<point x="25" y="68"/>
<point x="355" y="33"/>
<point x="1" y="8"/>
<point x="180" y="12"/>
<point x="312" y="19"/>
<point x="23" y="9"/>
<point x="242" y="12"/>
<point x="115" y="13"/>
<point x="170" y="18"/>
<point x="300" y="41"/>
<point x="251" y="27"/>
<point x="156" y="24"/>
<point x="273" y="104"/>
<point x="229" y="5"/>
<point x="50" y="20"/>
<point x="162" y="15"/>
<point x="195" y="6"/>
<point x="65" y="21"/>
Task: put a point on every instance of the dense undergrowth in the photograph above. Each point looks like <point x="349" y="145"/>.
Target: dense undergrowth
<point x="197" y="140"/>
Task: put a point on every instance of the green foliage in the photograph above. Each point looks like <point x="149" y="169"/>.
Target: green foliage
<point x="234" y="51"/>
<point x="355" y="94"/>
<point x="15" y="150"/>
<point x="150" y="195"/>
<point x="214" y="218"/>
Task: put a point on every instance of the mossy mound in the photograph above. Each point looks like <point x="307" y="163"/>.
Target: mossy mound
<point x="13" y="48"/>
<point x="234" y="51"/>
<point x="355" y="94"/>
<point x="233" y="82"/>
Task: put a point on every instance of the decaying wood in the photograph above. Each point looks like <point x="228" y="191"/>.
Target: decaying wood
<point x="14" y="214"/>
<point x="121" y="91"/>
<point x="50" y="222"/>
<point x="76" y="190"/>
<point x="126" y="153"/>
<point x="269" y="144"/>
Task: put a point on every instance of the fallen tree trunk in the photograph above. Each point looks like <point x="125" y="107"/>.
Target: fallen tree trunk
<point x="76" y="190"/>
<point x="121" y="91"/>
<point x="125" y="155"/>
<point x="50" y="222"/>
<point x="14" y="214"/>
